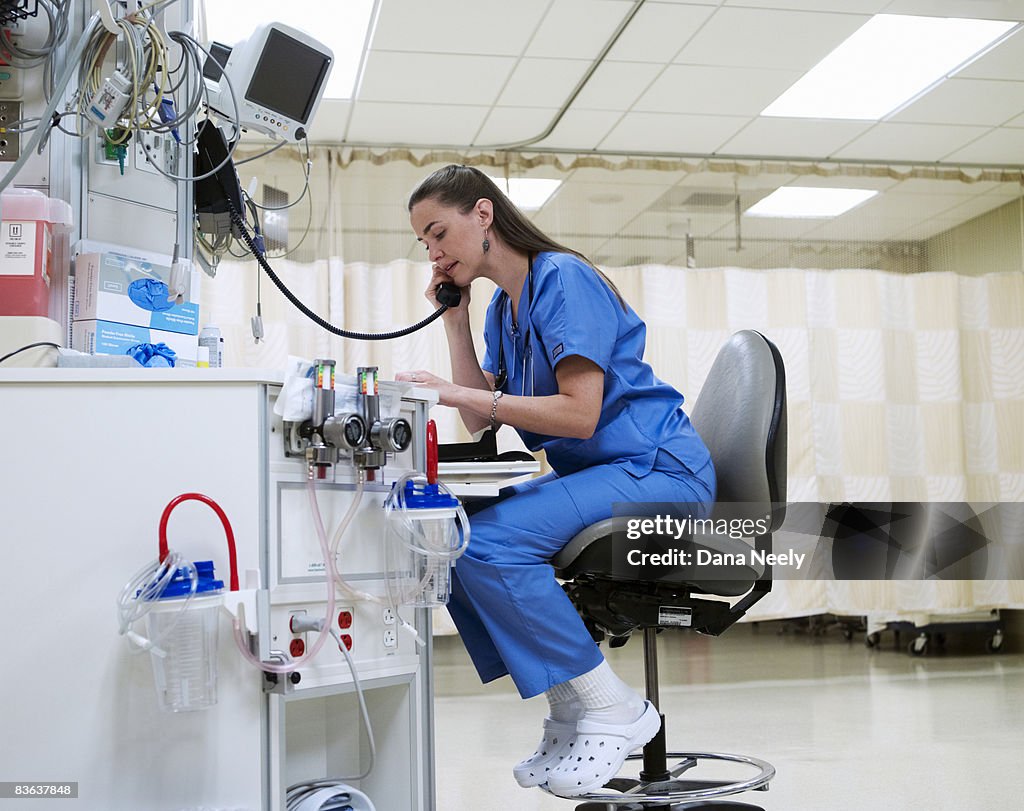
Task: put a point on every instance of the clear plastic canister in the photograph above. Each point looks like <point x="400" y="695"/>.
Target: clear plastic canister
<point x="184" y="633"/>
<point x="429" y="557"/>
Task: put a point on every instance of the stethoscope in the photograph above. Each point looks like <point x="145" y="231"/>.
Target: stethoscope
<point x="501" y="378"/>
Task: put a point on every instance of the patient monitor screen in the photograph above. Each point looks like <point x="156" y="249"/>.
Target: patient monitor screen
<point x="288" y="76"/>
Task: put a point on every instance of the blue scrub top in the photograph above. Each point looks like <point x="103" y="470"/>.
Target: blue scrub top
<point x="573" y="312"/>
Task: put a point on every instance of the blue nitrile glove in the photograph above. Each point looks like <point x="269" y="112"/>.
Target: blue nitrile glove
<point x="153" y="355"/>
<point x="150" y="294"/>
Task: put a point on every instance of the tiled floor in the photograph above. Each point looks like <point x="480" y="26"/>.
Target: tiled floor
<point x="844" y="726"/>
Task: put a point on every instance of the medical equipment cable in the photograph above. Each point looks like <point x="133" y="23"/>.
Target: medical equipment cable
<point x="37" y="142"/>
<point x="140" y="594"/>
<point x="181" y="38"/>
<point x="240" y="225"/>
<point x="29" y="346"/>
<point x="305" y="188"/>
<point x="364" y="712"/>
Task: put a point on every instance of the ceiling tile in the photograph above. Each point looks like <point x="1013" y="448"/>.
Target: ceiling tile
<point x="441" y="78"/>
<point x="415" y="124"/>
<point x="581" y="129"/>
<point x="974" y="9"/>
<point x="632" y="252"/>
<point x="715" y="91"/>
<point x="616" y="85"/>
<point x="851" y="6"/>
<point x="573" y="210"/>
<point x="909" y="142"/>
<point x="732" y="181"/>
<point x="768" y="38"/>
<point x="676" y="224"/>
<point x="808" y="138"/>
<point x="1003" y="145"/>
<point x="542" y="82"/>
<point x="577" y="29"/>
<point x="966" y="101"/>
<point x="658" y="31"/>
<point x="768" y="227"/>
<point x="508" y="125"/>
<point x="330" y="122"/>
<point x="484" y="27"/>
<point x="974" y="207"/>
<point x="664" y="132"/>
<point x="1002" y="62"/>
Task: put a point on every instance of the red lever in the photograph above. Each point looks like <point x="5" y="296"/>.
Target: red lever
<point x="431" y="452"/>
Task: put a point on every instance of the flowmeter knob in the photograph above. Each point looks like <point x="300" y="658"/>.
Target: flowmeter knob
<point x="345" y="431"/>
<point x="392" y="435"/>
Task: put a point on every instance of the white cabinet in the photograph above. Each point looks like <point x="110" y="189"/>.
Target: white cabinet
<point x="88" y="462"/>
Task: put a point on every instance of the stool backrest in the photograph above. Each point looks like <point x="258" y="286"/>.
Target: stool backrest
<point x="740" y="414"/>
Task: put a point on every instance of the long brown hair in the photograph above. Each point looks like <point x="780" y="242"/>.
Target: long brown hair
<point x="460" y="187"/>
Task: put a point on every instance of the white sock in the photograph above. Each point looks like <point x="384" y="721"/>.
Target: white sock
<point x="607" y="698"/>
<point x="563" y="703"/>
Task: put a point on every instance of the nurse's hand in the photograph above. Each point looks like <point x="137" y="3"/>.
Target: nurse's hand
<point x="440" y="277"/>
<point x="445" y="389"/>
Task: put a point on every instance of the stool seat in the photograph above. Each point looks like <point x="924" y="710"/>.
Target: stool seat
<point x="603" y="549"/>
<point x="652" y="582"/>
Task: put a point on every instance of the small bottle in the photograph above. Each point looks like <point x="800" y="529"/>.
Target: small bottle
<point x="210" y="337"/>
<point x="203" y="358"/>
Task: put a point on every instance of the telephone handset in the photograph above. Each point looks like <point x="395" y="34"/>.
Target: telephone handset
<point x="448" y="294"/>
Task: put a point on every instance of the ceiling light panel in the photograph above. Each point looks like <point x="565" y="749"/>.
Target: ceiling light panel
<point x="887" y="62"/>
<point x="528" y="193"/>
<point x="807" y="202"/>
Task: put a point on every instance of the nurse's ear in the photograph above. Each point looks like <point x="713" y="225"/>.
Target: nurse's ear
<point x="484" y="212"/>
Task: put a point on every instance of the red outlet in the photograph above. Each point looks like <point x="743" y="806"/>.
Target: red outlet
<point x="345" y="619"/>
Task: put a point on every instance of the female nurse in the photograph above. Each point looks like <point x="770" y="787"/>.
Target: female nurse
<point x="563" y="365"/>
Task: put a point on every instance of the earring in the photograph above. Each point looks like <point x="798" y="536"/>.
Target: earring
<point x="486" y="243"/>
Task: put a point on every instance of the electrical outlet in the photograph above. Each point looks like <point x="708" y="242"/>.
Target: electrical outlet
<point x="390" y="638"/>
<point x="389" y="616"/>
<point x="10" y="142"/>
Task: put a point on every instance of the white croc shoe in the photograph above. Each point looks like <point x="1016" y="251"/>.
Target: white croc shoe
<point x="552" y="748"/>
<point x="598" y="751"/>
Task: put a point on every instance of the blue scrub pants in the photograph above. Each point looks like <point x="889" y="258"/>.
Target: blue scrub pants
<point x="513" y="616"/>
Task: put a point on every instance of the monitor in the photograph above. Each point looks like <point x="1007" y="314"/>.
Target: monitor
<point x="278" y="76"/>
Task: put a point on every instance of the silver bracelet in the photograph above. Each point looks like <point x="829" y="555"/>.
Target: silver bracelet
<point x="495" y="396"/>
